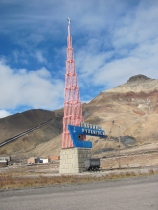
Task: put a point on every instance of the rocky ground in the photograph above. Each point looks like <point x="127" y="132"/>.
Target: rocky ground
<point x="141" y="157"/>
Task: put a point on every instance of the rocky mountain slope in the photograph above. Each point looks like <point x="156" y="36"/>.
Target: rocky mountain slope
<point x="128" y="112"/>
<point x="17" y="123"/>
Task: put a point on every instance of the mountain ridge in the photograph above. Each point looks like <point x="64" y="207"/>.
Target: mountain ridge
<point x="136" y="83"/>
<point x="129" y="110"/>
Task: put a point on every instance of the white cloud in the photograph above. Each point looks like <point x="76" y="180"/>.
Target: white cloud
<point x="36" y="89"/>
<point x="4" y="113"/>
<point x="40" y="58"/>
<point x="96" y="70"/>
<point x="20" y="56"/>
<point x="133" y="49"/>
<point x="137" y="27"/>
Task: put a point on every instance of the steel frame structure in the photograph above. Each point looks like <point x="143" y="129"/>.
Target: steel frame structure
<point x="72" y="103"/>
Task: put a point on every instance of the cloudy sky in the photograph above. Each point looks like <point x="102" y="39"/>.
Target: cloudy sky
<point x="112" y="40"/>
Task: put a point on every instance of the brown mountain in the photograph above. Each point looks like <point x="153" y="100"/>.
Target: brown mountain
<point x="128" y="112"/>
<point x="17" y="123"/>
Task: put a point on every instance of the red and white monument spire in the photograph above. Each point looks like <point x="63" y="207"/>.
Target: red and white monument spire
<point x="72" y="104"/>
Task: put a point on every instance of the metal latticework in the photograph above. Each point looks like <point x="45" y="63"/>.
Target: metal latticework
<point x="72" y="104"/>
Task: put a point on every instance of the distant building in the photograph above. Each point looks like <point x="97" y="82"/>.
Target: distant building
<point x="43" y="160"/>
<point x="8" y="158"/>
<point x="34" y="160"/>
<point x="52" y="158"/>
<point x="31" y="160"/>
<point x="3" y="163"/>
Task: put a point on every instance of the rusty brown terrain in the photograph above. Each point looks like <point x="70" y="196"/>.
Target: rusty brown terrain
<point x="128" y="113"/>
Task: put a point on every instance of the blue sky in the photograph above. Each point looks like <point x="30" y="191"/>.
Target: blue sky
<point x="112" y="41"/>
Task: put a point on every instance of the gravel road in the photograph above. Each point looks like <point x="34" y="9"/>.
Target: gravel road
<point x="137" y="193"/>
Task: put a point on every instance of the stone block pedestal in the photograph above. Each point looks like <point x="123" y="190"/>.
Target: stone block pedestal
<point x="72" y="160"/>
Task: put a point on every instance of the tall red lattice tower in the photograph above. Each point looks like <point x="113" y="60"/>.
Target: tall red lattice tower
<point x="72" y="104"/>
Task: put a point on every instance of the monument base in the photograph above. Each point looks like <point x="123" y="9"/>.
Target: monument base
<point x="72" y="160"/>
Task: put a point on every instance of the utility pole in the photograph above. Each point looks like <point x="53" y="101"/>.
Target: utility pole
<point x="109" y="136"/>
<point x="119" y="148"/>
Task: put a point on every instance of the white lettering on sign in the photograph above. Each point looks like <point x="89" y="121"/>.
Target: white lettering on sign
<point x="91" y="131"/>
<point x="91" y="126"/>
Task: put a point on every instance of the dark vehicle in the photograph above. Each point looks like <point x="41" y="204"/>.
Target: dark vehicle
<point x="92" y="164"/>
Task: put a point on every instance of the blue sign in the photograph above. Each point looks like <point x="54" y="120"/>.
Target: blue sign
<point x="76" y="131"/>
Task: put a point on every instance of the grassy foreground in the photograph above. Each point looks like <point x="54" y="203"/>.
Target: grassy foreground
<point x="15" y="180"/>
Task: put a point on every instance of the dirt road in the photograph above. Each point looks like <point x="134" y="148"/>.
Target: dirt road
<point x="126" y="194"/>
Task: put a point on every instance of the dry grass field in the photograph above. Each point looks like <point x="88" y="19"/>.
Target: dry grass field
<point x="39" y="175"/>
<point x="16" y="180"/>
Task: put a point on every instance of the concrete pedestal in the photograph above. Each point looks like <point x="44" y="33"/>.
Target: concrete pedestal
<point x="72" y="160"/>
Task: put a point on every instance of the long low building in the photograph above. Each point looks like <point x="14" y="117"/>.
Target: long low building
<point x="3" y="163"/>
<point x="8" y="158"/>
<point x="34" y="160"/>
